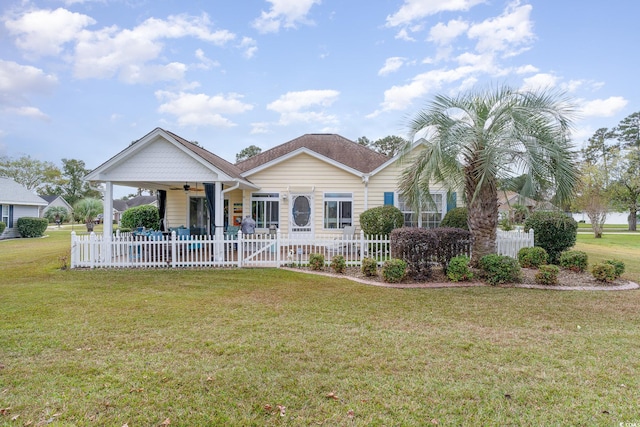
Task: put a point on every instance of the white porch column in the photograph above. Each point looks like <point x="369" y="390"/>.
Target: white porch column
<point x="219" y="220"/>
<point x="219" y="209"/>
<point x="107" y="221"/>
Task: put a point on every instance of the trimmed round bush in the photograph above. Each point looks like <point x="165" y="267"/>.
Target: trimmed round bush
<point x="394" y="270"/>
<point x="458" y="269"/>
<point x="2" y="227"/>
<point x="316" y="261"/>
<point x="369" y="267"/>
<point x="32" y="227"/>
<point x="532" y="257"/>
<point x="603" y="272"/>
<point x="417" y="247"/>
<point x="547" y="275"/>
<point x="574" y="260"/>
<point x="553" y="231"/>
<point x="500" y="269"/>
<point x="456" y="218"/>
<point x="617" y="265"/>
<point x="379" y="221"/>
<point x="338" y="264"/>
<point x="146" y="216"/>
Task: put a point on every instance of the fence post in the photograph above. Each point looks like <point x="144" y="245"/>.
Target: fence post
<point x="362" y="248"/>
<point x="74" y="249"/>
<point x="174" y="249"/>
<point x="278" y="255"/>
<point x="240" y="250"/>
<point x="92" y="249"/>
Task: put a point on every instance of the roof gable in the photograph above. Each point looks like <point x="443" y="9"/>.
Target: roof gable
<point x="328" y="147"/>
<point x="162" y="156"/>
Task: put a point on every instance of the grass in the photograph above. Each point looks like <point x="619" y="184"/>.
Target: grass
<point x="625" y="247"/>
<point x="242" y="347"/>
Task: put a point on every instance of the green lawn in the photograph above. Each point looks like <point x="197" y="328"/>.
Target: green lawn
<point x="625" y="247"/>
<point x="271" y="347"/>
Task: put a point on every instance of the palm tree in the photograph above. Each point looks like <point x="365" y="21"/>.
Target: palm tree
<point x="87" y="210"/>
<point x="475" y="139"/>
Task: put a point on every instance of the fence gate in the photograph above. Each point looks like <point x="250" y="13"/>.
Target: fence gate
<point x="258" y="250"/>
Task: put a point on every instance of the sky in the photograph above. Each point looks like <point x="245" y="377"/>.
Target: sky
<point x="82" y="79"/>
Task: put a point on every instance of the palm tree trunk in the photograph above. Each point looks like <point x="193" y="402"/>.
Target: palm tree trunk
<point x="483" y="219"/>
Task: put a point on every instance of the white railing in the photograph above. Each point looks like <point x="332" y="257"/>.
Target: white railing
<point x="510" y="242"/>
<point x="256" y="250"/>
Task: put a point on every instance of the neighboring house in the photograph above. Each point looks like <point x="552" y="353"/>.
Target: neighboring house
<point x="119" y="206"/>
<point x="311" y="185"/>
<point x="55" y="201"/>
<point x="16" y="201"/>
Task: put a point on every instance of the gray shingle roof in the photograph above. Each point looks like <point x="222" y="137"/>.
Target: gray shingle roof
<point x="16" y="194"/>
<point x="332" y="146"/>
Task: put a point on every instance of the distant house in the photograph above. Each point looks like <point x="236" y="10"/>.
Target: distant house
<point x="119" y="206"/>
<point x="16" y="201"/>
<point x="55" y="201"/>
<point x="312" y="185"/>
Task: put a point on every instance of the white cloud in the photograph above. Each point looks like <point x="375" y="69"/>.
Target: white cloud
<point x="199" y="109"/>
<point x="293" y="106"/>
<point x="16" y="82"/>
<point x="603" y="107"/>
<point x="414" y="10"/>
<point x="540" y="81"/>
<point x="44" y="32"/>
<point x="403" y="34"/>
<point x="259" y="128"/>
<point x="509" y="33"/>
<point x="248" y="45"/>
<point x="285" y="13"/>
<point x="16" y="79"/>
<point x="443" y="34"/>
<point x="31" y="112"/>
<point x="526" y="69"/>
<point x="401" y="97"/>
<point x="391" y="65"/>
<point x="111" y="51"/>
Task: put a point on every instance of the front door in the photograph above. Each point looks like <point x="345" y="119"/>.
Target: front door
<point x="301" y="215"/>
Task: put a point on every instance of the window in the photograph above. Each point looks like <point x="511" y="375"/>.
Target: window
<point x="430" y="216"/>
<point x="338" y="210"/>
<point x="4" y="214"/>
<point x="265" y="209"/>
<point x="198" y="215"/>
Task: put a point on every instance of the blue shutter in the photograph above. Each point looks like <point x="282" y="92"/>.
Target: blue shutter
<point x="10" y="225"/>
<point x="388" y="198"/>
<point x="452" y="201"/>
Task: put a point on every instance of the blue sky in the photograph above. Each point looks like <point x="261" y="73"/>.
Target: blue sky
<point x="82" y="79"/>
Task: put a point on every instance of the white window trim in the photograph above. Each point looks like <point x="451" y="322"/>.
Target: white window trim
<point x="443" y="193"/>
<point x="348" y="197"/>
<point x="265" y="196"/>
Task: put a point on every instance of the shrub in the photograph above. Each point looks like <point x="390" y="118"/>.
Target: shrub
<point x="316" y="261"/>
<point x="532" y="257"/>
<point x="338" y="264"/>
<point x="451" y="243"/>
<point x="394" y="270"/>
<point x="369" y="267"/>
<point x="500" y="269"/>
<point x="32" y="227"/>
<point x="574" y="260"/>
<point x="416" y="247"/>
<point x="553" y="231"/>
<point x="381" y="220"/>
<point x="547" y="275"/>
<point x="617" y="265"/>
<point x="456" y="218"/>
<point x="458" y="269"/>
<point x="603" y="272"/>
<point x="2" y="227"/>
<point x="146" y="216"/>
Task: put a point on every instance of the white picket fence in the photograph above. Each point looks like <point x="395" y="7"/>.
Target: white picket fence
<point x="510" y="242"/>
<point x="258" y="250"/>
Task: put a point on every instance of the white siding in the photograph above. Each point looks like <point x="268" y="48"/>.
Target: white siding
<point x="161" y="161"/>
